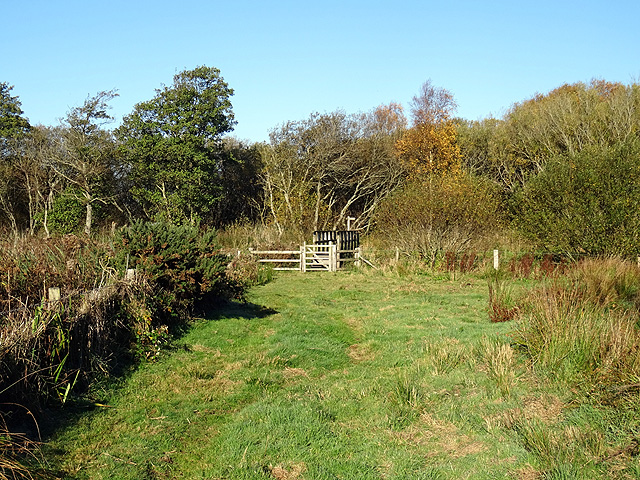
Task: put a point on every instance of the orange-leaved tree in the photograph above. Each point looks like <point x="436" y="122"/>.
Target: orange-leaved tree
<point x="430" y="145"/>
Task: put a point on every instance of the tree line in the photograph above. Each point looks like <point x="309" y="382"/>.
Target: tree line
<point x="559" y="168"/>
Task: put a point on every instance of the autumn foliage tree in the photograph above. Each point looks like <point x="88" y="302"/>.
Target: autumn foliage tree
<point x="389" y="119"/>
<point x="430" y="145"/>
<point x="440" y="208"/>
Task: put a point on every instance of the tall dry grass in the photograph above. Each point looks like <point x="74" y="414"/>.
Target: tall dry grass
<point x="584" y="328"/>
<point x="609" y="282"/>
<point x="45" y="344"/>
<point x="242" y="236"/>
<point x="20" y="455"/>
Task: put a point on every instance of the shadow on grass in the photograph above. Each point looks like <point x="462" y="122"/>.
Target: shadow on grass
<point x="234" y="309"/>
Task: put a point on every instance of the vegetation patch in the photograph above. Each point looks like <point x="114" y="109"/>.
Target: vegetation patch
<point x="291" y="395"/>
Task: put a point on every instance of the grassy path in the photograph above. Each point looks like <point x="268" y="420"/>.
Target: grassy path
<point x="327" y="376"/>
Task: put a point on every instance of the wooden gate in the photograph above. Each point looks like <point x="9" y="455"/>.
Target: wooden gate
<point x="319" y="257"/>
<point x="325" y="257"/>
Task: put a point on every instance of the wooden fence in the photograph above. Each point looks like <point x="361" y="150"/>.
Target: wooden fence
<point x="309" y="258"/>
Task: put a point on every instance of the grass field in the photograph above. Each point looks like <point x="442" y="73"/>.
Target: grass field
<point x="347" y="376"/>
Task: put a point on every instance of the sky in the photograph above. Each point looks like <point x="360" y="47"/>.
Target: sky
<point x="288" y="59"/>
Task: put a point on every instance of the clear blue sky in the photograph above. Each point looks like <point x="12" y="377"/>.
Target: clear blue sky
<point x="287" y="59"/>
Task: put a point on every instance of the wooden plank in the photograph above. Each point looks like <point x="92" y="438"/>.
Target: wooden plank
<point x="275" y="252"/>
<point x="278" y="260"/>
<point x="303" y="257"/>
<point x="318" y="256"/>
<point x="348" y="259"/>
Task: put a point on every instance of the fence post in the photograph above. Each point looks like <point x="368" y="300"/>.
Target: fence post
<point x="333" y="254"/>
<point x="303" y="259"/>
<point x="130" y="274"/>
<point x="54" y="294"/>
<point x="496" y="260"/>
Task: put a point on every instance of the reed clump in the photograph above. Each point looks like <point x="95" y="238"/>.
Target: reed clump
<point x="584" y="327"/>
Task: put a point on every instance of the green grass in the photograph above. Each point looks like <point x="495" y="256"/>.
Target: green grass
<point x="349" y="376"/>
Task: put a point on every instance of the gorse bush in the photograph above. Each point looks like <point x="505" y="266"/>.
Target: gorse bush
<point x="67" y="213"/>
<point x="182" y="264"/>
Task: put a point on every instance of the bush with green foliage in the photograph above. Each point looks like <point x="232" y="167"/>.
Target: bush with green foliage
<point x="585" y="203"/>
<point x="183" y="264"/>
<point x="67" y="213"/>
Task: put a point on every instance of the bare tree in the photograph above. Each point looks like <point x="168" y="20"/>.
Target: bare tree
<point x="319" y="171"/>
<point x="432" y="104"/>
<point x="33" y="162"/>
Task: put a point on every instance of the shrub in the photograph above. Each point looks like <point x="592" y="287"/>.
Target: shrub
<point x="182" y="264"/>
<point x="584" y="203"/>
<point x="67" y="214"/>
<point x="439" y="214"/>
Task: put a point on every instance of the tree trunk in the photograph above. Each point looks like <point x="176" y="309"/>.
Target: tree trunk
<point x="88" y="220"/>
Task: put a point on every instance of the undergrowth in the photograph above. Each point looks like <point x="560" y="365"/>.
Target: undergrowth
<point x="365" y="375"/>
<point x="54" y="347"/>
<point x="404" y="357"/>
<point x="584" y="327"/>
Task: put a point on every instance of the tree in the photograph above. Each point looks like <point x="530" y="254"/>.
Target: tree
<point x="565" y="121"/>
<point x="389" y="119"/>
<point x="241" y="192"/>
<point x="12" y="123"/>
<point x="585" y="202"/>
<point x="475" y="139"/>
<point x="33" y="162"/>
<point x="173" y="145"/>
<point x="431" y="216"/>
<point x="13" y="126"/>
<point x="432" y="105"/>
<point x="430" y="146"/>
<point x="319" y="171"/>
<point x="89" y="154"/>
